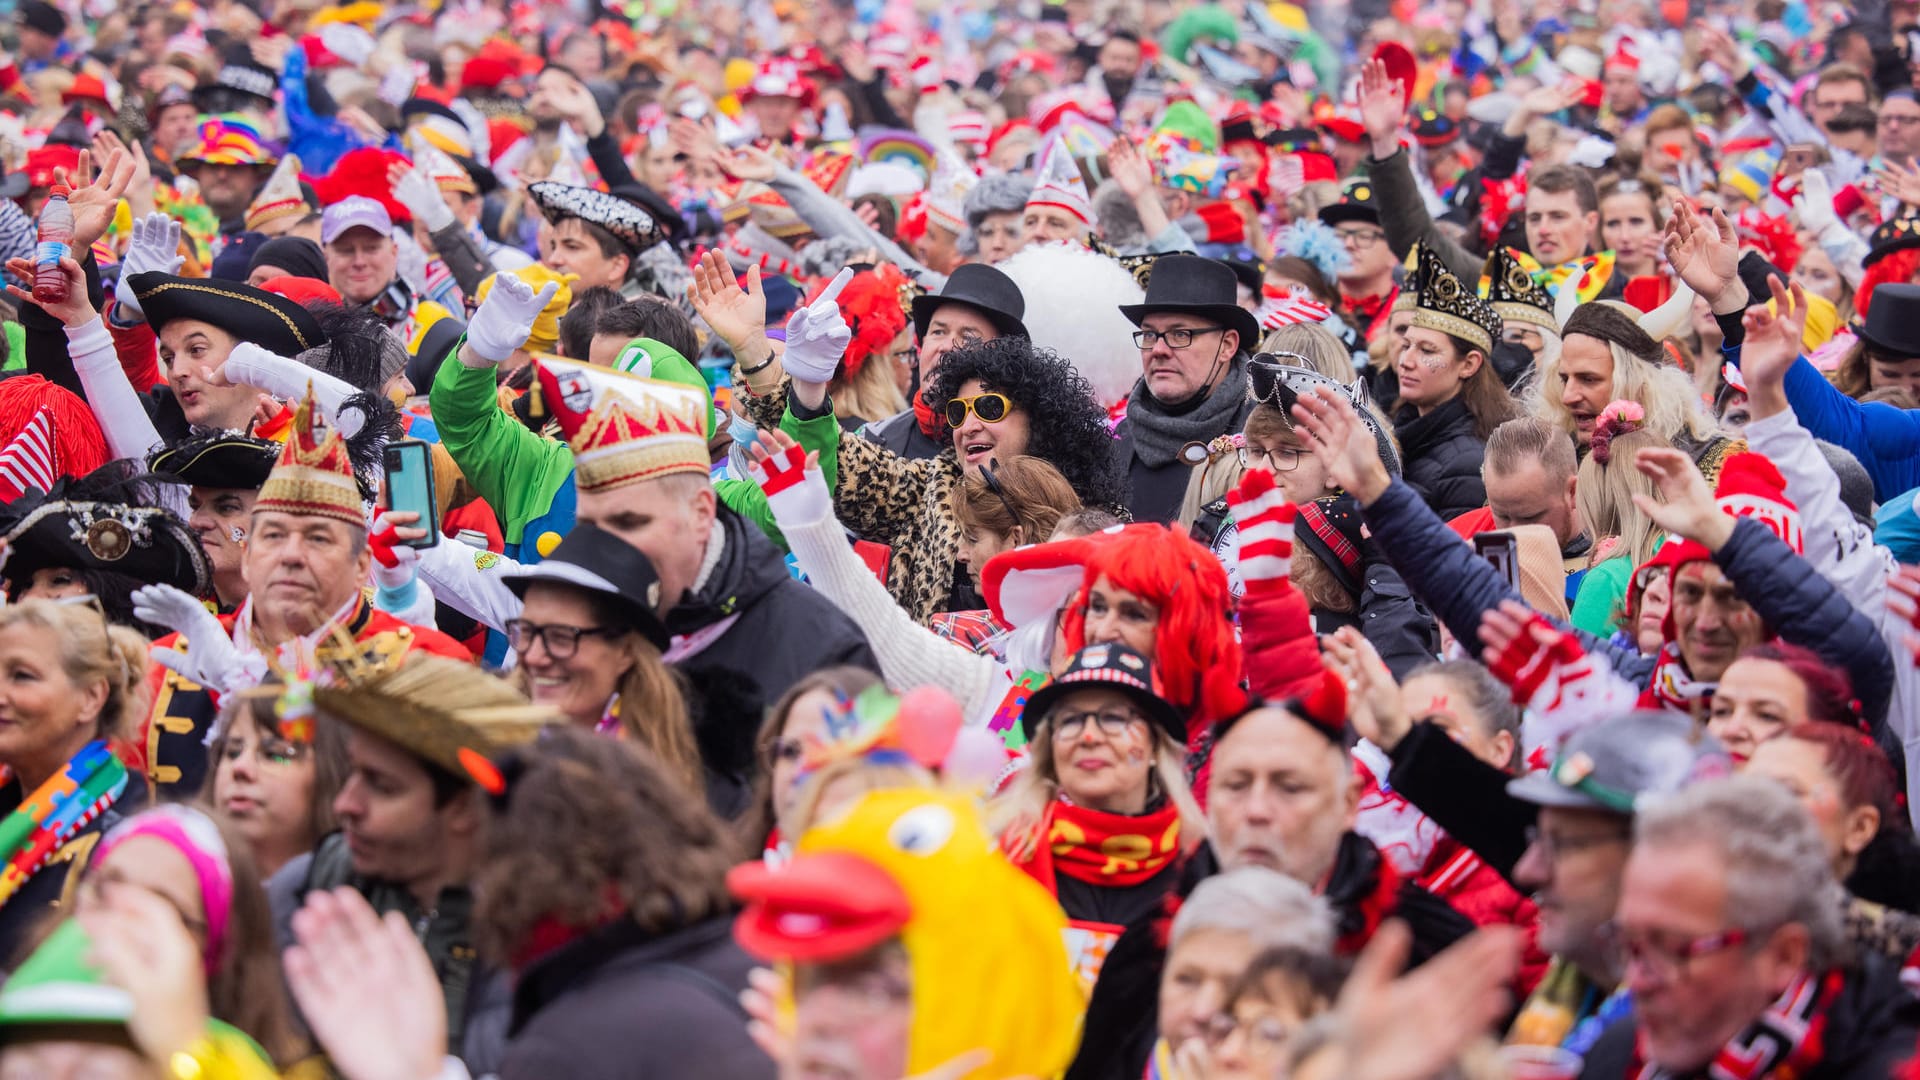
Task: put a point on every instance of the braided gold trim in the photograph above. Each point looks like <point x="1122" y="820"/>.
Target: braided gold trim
<point x="254" y="300"/>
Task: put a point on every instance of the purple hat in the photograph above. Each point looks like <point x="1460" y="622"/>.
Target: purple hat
<point x="354" y="212"/>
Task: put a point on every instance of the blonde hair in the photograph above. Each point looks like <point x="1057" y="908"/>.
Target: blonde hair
<point x="1316" y="343"/>
<point x="1210" y="483"/>
<point x="1604" y="495"/>
<point x="93" y="650"/>
<point x="1017" y="812"/>
<point x="871" y="393"/>
<point x="1664" y="391"/>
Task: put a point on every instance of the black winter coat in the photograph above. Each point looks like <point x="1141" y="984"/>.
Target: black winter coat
<point x="901" y="434"/>
<point x="1440" y="456"/>
<point x="618" y="1005"/>
<point x="780" y="630"/>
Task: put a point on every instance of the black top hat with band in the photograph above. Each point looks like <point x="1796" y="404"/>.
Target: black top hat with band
<point x="1893" y="320"/>
<point x="249" y="314"/>
<point x="1107" y="667"/>
<point x="981" y="287"/>
<point x="1197" y="286"/>
<point x="239" y="74"/>
<point x="145" y="543"/>
<point x="226" y="459"/>
<point x="593" y="560"/>
<point x="629" y="224"/>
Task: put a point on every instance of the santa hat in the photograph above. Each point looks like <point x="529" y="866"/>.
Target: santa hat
<point x="1059" y="183"/>
<point x="623" y="429"/>
<point x="314" y="476"/>
<point x="1751" y="487"/>
<point x="1625" y="56"/>
<point x="968" y="128"/>
<point x="280" y="198"/>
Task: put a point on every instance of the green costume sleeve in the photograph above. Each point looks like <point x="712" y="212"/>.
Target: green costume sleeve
<point x="1602" y="591"/>
<point x="745" y="498"/>
<point x="515" y="469"/>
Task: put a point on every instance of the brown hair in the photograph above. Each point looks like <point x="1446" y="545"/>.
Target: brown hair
<point x="1023" y="492"/>
<point x="846" y="680"/>
<point x="591" y="830"/>
<point x="1650" y="186"/>
<point x="1271" y="424"/>
<point x="1555" y="179"/>
<point x="328" y="751"/>
<point x="247" y="989"/>
<point x="1668" y="117"/>
<point x="1085" y="521"/>
<point x="1842" y="72"/>
<point x="1484" y="395"/>
<point x="1316" y="582"/>
<point x="1529" y="438"/>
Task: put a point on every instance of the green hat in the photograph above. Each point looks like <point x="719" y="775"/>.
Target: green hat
<point x="1205" y="22"/>
<point x="1189" y="120"/>
<point x="651" y="359"/>
<point x="58" y="984"/>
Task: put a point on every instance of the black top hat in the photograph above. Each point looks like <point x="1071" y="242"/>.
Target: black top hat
<point x="1894" y="234"/>
<point x="981" y="287"/>
<point x="226" y="459"/>
<point x="1109" y="667"/>
<point x="1356" y="204"/>
<point x="1203" y="287"/>
<point x="41" y="16"/>
<point x="266" y="319"/>
<point x="596" y="561"/>
<point x="145" y="543"/>
<point x="239" y="74"/>
<point x="1893" y="320"/>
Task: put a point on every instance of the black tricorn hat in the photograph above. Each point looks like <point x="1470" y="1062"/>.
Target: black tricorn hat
<point x="981" y="287"/>
<point x="1198" y="286"/>
<point x="266" y="319"/>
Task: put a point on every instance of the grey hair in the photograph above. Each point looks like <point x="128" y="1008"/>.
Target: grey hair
<point x="997" y="194"/>
<point x="824" y="257"/>
<point x="1778" y="871"/>
<point x="1119" y="222"/>
<point x="1273" y="910"/>
<point x="1487" y="696"/>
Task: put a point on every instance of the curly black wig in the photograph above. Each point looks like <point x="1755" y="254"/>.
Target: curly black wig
<point x="1067" y="425"/>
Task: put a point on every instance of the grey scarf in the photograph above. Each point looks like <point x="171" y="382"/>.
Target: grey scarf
<point x="1158" y="433"/>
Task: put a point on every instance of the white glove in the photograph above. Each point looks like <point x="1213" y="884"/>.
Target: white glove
<point x="155" y="246"/>
<point x="817" y="337"/>
<point x="796" y="494"/>
<point x="287" y="379"/>
<point x="211" y="659"/>
<point x="412" y="262"/>
<point x="423" y="200"/>
<point x="1814" y="204"/>
<point x="505" y="318"/>
<point x="349" y="42"/>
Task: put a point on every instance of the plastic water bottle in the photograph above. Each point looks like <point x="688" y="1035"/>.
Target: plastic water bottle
<point x="55" y="243"/>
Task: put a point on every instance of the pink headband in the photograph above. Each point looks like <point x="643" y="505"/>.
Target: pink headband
<point x="193" y="835"/>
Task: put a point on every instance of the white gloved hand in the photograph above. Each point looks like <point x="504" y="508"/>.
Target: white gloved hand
<point x="795" y="487"/>
<point x="1814" y="204"/>
<point x="155" y="246"/>
<point x="411" y="264"/>
<point x="211" y="660"/>
<point x="422" y="198"/>
<point x="349" y="42"/>
<point x="505" y="318"/>
<point x="817" y="336"/>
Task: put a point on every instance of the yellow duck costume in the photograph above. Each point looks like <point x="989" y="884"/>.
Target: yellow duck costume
<point x="984" y="941"/>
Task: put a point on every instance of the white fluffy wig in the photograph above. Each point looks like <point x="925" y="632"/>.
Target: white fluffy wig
<point x="1073" y="307"/>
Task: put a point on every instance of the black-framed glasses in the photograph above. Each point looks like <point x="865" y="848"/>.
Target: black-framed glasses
<point x="1178" y="338"/>
<point x="560" y="641"/>
<point x="1361" y="239"/>
<point x="990" y="408"/>
<point x="1112" y="723"/>
<point x="1279" y="461"/>
<point x="1553" y="847"/>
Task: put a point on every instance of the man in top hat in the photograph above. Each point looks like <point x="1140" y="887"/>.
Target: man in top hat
<point x="1193" y="342"/>
<point x="363" y="264"/>
<point x="978" y="303"/>
<point x="306" y="565"/>
<point x="597" y="236"/>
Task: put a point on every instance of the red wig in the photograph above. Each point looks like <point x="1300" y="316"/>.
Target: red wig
<point x="1895" y="269"/>
<point x="1859" y="767"/>
<point x="1195" y="653"/>
<point x="873" y="307"/>
<point x="1829" y="690"/>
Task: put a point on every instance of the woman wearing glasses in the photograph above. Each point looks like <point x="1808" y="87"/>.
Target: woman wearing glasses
<point x="1102" y="815"/>
<point x="797" y="721"/>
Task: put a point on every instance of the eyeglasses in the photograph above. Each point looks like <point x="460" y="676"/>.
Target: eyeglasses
<point x="990" y="408"/>
<point x="561" y="642"/>
<point x="1667" y="961"/>
<point x="1266" y="1035"/>
<point x="270" y="750"/>
<point x="1898" y="120"/>
<point x="1283" y="460"/>
<point x="1177" y="338"/>
<point x="1112" y="723"/>
<point x="1360" y="238"/>
<point x="1553" y="847"/>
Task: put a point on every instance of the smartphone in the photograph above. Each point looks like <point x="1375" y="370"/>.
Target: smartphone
<point x="410" y="487"/>
<point x="1500" y="549"/>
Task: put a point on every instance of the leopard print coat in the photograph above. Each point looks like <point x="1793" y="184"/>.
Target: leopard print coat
<point x="887" y="499"/>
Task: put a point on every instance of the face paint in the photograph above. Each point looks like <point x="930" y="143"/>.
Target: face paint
<point x="1433" y="362"/>
<point x="238" y="534"/>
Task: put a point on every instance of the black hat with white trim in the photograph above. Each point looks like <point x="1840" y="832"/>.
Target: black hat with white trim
<point x="593" y="560"/>
<point x="631" y="225"/>
<point x="1107" y="667"/>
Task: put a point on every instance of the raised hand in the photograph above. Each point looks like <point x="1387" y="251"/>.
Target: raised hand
<point x="1264" y="518"/>
<point x="1415" y="1025"/>
<point x="367" y="989"/>
<point x="76" y="310"/>
<point x="155" y="246"/>
<point x="747" y="163"/>
<point x="818" y="335"/>
<point x="504" y="319"/>
<point x="94" y="198"/>
<point x="1773" y="338"/>
<point x="420" y="195"/>
<point x="1900" y="180"/>
<point x="143" y="947"/>
<point x="1814" y="203"/>
<point x="1686" y="508"/>
<point x="761" y="1002"/>
<point x="738" y="315"/>
<point x="1126" y="165"/>
<point x="1524" y="649"/>
<point x="1375" y="707"/>
<point x="1383" y="107"/>
<point x="394" y="560"/>
<point x="796" y="488"/>
<point x="211" y="660"/>
<point x="139" y="193"/>
<point x="1705" y="251"/>
<point x="1345" y="441"/>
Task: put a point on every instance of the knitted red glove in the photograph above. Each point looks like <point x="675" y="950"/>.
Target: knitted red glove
<point x="1265" y="520"/>
<point x="1525" y="664"/>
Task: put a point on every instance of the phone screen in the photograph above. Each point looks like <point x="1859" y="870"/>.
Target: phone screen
<point x="410" y="487"/>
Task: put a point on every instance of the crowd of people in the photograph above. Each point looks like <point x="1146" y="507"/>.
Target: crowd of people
<point x="1098" y="539"/>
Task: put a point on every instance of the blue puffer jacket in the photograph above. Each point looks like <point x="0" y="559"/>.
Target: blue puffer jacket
<point x="1884" y="438"/>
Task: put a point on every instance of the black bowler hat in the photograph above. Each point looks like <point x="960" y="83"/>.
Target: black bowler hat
<point x="1196" y="286"/>
<point x="593" y="560"/>
<point x="227" y="459"/>
<point x="1356" y="204"/>
<point x="1110" y="667"/>
<point x="249" y="314"/>
<point x="1893" y="320"/>
<point x="41" y="16"/>
<point x="981" y="287"/>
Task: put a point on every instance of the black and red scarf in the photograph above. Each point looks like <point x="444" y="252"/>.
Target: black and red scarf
<point x="1364" y="890"/>
<point x="1788" y="1040"/>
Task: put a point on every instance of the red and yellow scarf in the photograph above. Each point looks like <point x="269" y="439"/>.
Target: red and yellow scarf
<point x="1114" y="850"/>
